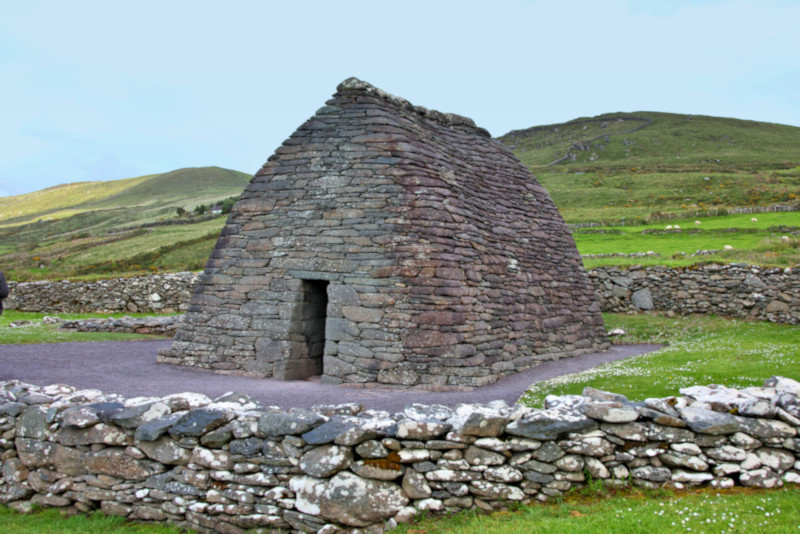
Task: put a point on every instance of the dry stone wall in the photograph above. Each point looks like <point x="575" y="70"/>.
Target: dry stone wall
<point x="229" y="464"/>
<point x="167" y="293"/>
<point x="734" y="290"/>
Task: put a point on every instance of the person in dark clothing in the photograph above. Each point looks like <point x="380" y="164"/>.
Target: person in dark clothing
<point x="3" y="290"/>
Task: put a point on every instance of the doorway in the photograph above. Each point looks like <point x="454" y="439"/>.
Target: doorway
<point x="306" y="333"/>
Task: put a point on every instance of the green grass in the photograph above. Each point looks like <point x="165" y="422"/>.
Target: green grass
<point x="703" y="349"/>
<point x="756" y="242"/>
<point x="53" y="521"/>
<point x="669" y="139"/>
<point x="49" y="333"/>
<point x="73" y="229"/>
<point x="634" y="512"/>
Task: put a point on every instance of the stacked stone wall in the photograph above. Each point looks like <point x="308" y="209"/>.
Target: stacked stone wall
<point x="229" y="465"/>
<point x="743" y="291"/>
<point x="734" y="290"/>
<point x="161" y="293"/>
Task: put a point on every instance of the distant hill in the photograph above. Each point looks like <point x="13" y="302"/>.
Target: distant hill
<point x="120" y="225"/>
<point x="643" y="166"/>
<point x="665" y="140"/>
<point x="148" y="196"/>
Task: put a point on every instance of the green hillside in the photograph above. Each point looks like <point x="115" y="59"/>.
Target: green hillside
<point x="663" y="140"/>
<point x="646" y="166"/>
<point x="117" y="226"/>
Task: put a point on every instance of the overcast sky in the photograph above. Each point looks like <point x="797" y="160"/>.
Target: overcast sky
<point x="99" y="90"/>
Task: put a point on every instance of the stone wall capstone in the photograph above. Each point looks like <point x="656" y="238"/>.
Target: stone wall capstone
<point x="229" y="464"/>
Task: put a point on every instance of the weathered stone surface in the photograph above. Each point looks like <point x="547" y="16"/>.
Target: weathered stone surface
<point x="326" y="460"/>
<point x="549" y="424"/>
<point x="760" y="478"/>
<point x="246" y="447"/>
<point x="98" y="433"/>
<point x="684" y="461"/>
<point x="116" y="463"/>
<point x="776" y="459"/>
<point x="327" y="432"/>
<point x="590" y="446"/>
<point x="136" y="416"/>
<point x="155" y="428"/>
<point x="371" y="449"/>
<point x="199" y="421"/>
<point x="294" y="424"/>
<point x="610" y="412"/>
<point x="496" y="491"/>
<point x="348" y="499"/>
<point x="653" y="474"/>
<point x="477" y="456"/>
<point x="14" y="471"/>
<point x="165" y="450"/>
<point x="484" y="425"/>
<point x="415" y="485"/>
<point x="420" y="429"/>
<point x="377" y="470"/>
<point x="708" y="422"/>
<point x="642" y="299"/>
<point x="32" y="423"/>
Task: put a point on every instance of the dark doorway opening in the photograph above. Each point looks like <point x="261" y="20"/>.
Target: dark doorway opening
<point x="307" y="333"/>
<point x="315" y="312"/>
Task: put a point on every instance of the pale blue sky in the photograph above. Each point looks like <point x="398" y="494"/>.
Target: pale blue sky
<point x="98" y="90"/>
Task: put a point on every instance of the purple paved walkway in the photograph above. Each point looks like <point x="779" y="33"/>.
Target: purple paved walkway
<point x="130" y="369"/>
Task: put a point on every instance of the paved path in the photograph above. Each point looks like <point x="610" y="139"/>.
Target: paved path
<point x="130" y="369"/>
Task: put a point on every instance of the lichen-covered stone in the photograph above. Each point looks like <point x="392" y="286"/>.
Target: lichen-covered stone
<point x="199" y="421"/>
<point x="348" y="499"/>
<point x="326" y="460"/>
<point x="294" y="424"/>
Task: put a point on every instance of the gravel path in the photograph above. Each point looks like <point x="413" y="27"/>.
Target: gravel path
<point x="130" y="369"/>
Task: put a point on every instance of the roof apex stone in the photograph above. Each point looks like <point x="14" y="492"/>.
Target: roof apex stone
<point x="354" y="85"/>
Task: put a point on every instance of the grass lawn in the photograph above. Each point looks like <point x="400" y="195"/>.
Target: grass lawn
<point x="51" y="520"/>
<point x="633" y="512"/>
<point x="49" y="333"/>
<point x="703" y="349"/>
<point x="756" y="242"/>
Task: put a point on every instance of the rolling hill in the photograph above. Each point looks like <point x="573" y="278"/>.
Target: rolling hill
<point x="664" y="140"/>
<point x="120" y="225"/>
<point x="647" y="166"/>
<point x="617" y="168"/>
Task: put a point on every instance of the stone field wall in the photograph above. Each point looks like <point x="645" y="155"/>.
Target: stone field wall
<point x="229" y="464"/>
<point x="737" y="290"/>
<point x="167" y="293"/>
<point x="734" y="290"/>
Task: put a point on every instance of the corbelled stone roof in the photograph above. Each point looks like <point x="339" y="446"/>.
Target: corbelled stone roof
<point x="387" y="243"/>
<point x="447" y="119"/>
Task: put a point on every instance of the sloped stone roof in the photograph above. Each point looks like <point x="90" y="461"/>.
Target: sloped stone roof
<point x="443" y="261"/>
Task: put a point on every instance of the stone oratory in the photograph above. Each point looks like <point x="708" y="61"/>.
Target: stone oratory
<point x="386" y="243"/>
